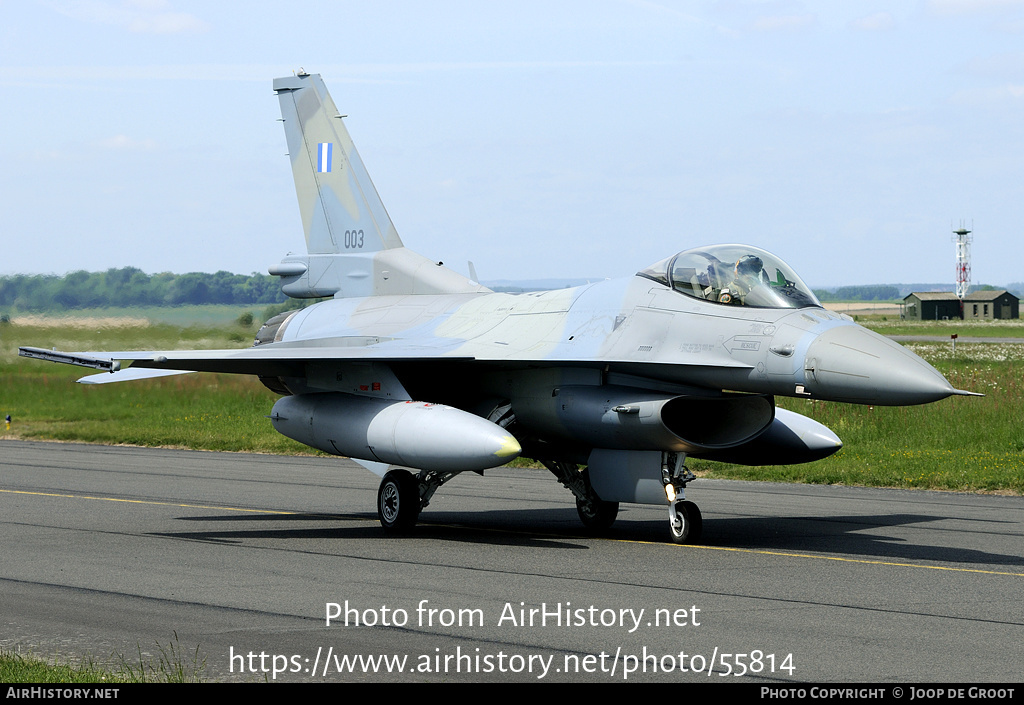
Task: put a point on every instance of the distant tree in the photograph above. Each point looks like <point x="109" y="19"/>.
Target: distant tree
<point x="129" y="286"/>
<point x="867" y="292"/>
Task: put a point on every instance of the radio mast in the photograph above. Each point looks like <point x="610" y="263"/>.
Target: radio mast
<point x="963" y="261"/>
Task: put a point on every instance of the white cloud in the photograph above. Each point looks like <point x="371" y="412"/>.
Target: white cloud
<point x="874" y="23"/>
<point x="988" y="95"/>
<point x="783" y="22"/>
<point x="140" y="16"/>
<point x="124" y="142"/>
<point x="168" y="23"/>
<point x="960" y="7"/>
<point x="664" y="9"/>
<point x="1009" y="65"/>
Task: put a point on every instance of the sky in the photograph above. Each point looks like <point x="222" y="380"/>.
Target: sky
<point x="553" y="139"/>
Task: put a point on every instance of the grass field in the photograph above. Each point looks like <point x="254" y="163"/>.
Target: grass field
<point x="962" y="443"/>
<point x="887" y="325"/>
<point x="205" y="316"/>
<point x="213" y="412"/>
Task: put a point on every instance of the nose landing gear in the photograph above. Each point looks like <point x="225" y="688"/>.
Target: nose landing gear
<point x="685" y="522"/>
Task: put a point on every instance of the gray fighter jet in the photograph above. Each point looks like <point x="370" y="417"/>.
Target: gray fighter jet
<point x="611" y="386"/>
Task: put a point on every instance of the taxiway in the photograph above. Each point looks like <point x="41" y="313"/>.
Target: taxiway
<point x="109" y="551"/>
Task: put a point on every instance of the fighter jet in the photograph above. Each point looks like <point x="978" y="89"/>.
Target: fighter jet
<point x="611" y="386"/>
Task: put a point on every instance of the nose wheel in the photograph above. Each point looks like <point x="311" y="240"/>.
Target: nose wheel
<point x="685" y="522"/>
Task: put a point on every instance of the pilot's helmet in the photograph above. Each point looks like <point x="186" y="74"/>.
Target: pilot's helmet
<point x="749" y="265"/>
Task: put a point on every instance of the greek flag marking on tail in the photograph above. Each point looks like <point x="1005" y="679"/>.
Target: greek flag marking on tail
<point x="324" y="151"/>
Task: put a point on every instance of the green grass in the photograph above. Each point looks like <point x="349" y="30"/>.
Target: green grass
<point x="961" y="443"/>
<point x="15" y="668"/>
<point x="205" y="316"/>
<point x="888" y="325"/>
<point x="203" y="411"/>
<point x="172" y="665"/>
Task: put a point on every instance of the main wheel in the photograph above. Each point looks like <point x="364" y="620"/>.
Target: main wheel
<point x="689" y="524"/>
<point x="597" y="515"/>
<point x="398" y="501"/>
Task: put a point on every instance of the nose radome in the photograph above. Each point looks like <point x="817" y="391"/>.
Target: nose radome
<point x="850" y="363"/>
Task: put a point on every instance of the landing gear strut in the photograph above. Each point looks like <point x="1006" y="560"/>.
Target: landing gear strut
<point x="685" y="522"/>
<point x="596" y="514"/>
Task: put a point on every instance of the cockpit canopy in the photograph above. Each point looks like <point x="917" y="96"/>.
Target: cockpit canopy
<point x="736" y="275"/>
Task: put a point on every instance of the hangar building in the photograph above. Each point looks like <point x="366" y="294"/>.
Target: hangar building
<point x="991" y="304"/>
<point x="931" y="306"/>
<point x="942" y="305"/>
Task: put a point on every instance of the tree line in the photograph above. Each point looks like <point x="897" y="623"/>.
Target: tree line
<point x="129" y="286"/>
<point x="867" y="292"/>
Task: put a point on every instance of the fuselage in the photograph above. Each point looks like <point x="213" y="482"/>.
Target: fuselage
<point x="637" y="327"/>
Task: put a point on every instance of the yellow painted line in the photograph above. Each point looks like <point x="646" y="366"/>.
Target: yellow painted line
<point x="666" y="544"/>
<point x="146" y="501"/>
<point x="827" y="558"/>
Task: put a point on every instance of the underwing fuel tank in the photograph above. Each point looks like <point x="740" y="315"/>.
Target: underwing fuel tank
<point x="410" y="433"/>
<point x="790" y="440"/>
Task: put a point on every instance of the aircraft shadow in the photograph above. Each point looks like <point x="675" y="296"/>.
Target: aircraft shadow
<point x="855" y="535"/>
<point x="511" y="528"/>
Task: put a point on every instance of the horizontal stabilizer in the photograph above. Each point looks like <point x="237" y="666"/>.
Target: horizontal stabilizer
<point x="130" y="375"/>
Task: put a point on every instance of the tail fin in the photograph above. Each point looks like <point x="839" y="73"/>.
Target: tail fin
<point x="352" y="245"/>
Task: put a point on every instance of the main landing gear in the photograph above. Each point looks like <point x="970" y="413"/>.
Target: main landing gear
<point x="596" y="514"/>
<point x="684" y="518"/>
<point x="398" y="501"/>
<point x="402" y="496"/>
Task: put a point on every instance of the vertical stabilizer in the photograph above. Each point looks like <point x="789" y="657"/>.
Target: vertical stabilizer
<point x="352" y="245"/>
<point x="340" y="208"/>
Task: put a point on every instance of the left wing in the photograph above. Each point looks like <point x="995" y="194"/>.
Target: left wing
<point x="277" y="359"/>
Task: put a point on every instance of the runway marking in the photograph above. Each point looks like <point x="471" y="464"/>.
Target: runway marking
<point x="744" y="550"/>
<point x="147" y="501"/>
<point x="844" y="560"/>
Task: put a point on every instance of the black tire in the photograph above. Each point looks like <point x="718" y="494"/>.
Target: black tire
<point x="398" y="502"/>
<point x="597" y="515"/>
<point x="690" y="526"/>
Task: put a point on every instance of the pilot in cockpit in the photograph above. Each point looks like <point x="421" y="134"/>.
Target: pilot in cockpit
<point x="735" y="275"/>
<point x="746" y="275"/>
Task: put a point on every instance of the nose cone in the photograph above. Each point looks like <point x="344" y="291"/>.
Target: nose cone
<point x="853" y="364"/>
